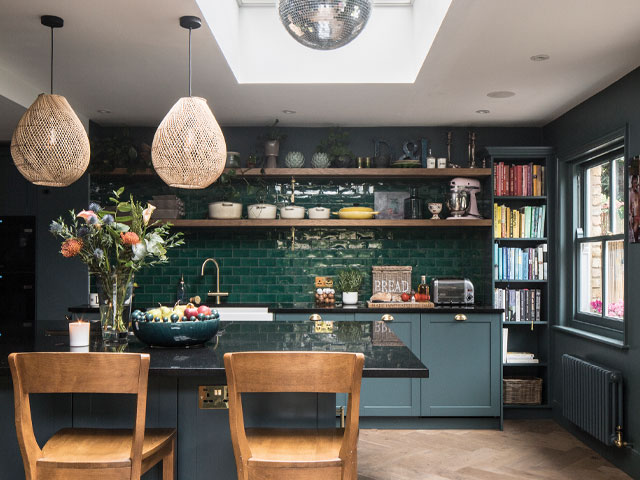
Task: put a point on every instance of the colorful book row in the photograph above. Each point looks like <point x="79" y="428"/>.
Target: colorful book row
<point x="520" y="305"/>
<point x="523" y="222"/>
<point x="519" y="180"/>
<point x="520" y="263"/>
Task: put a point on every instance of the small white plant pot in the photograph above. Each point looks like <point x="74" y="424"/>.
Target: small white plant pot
<point x="349" y="298"/>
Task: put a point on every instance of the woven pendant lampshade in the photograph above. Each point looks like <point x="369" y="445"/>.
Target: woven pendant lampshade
<point x="50" y="146"/>
<point x="188" y="149"/>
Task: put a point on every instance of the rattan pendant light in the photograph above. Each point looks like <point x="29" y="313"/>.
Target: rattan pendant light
<point x="50" y="146"/>
<point x="188" y="149"/>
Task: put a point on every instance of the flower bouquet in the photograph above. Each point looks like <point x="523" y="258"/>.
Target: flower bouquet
<point x="115" y="243"/>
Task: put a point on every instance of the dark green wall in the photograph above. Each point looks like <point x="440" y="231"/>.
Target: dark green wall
<point x="258" y="265"/>
<point x="611" y="109"/>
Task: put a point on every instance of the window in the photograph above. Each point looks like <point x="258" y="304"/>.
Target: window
<point x="599" y="245"/>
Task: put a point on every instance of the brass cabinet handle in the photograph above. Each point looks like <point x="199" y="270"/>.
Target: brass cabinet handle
<point x="460" y="317"/>
<point x="387" y="318"/>
<point x="315" y="317"/>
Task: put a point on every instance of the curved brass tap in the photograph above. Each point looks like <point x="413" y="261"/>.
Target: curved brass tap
<point x="217" y="293"/>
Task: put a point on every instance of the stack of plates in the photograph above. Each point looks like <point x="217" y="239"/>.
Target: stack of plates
<point x="406" y="164"/>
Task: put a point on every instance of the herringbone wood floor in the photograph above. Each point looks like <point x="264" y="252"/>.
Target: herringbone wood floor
<point x="525" y="450"/>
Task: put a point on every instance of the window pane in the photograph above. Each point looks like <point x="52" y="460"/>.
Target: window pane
<point x="590" y="278"/>
<point x="598" y="194"/>
<point x="615" y="279"/>
<point x="618" y="195"/>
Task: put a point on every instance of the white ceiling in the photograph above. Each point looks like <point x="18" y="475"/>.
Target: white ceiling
<point x="130" y="57"/>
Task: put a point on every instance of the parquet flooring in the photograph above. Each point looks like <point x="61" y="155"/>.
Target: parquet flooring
<point x="525" y="450"/>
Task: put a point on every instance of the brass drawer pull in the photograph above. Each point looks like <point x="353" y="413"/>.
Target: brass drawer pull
<point x="460" y="317"/>
<point x="387" y="318"/>
<point x="315" y="317"/>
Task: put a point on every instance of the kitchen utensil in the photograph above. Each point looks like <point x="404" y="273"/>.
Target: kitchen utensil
<point x="435" y="209"/>
<point x="356" y="213"/>
<point x="291" y="211"/>
<point x="472" y="187"/>
<point x="225" y="210"/>
<point x="319" y="212"/>
<point x="262" y="211"/>
<point x="458" y="203"/>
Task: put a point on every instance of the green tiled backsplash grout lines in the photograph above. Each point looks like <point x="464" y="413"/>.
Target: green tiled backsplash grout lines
<point x="258" y="265"/>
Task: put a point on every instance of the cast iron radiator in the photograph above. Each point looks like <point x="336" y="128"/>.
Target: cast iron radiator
<point x="592" y="398"/>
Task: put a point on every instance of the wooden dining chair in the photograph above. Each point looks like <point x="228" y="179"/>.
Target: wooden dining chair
<point x="294" y="454"/>
<point x="88" y="453"/>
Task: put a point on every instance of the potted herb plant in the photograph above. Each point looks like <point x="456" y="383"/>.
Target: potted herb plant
<point x="336" y="145"/>
<point x="349" y="282"/>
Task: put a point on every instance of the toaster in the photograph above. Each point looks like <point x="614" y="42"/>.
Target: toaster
<point x="457" y="291"/>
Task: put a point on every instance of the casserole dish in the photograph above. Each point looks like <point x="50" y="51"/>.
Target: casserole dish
<point x="225" y="210"/>
<point x="356" y="213"/>
<point x="319" y="212"/>
<point x="291" y="211"/>
<point x="261" y="210"/>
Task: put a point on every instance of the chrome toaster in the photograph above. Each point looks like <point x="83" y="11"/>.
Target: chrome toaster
<point x="458" y="291"/>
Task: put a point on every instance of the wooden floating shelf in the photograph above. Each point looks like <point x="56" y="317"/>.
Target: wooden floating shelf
<point x="378" y="173"/>
<point x="335" y="222"/>
<point x="520" y="197"/>
<point x="515" y="240"/>
<point x="528" y="324"/>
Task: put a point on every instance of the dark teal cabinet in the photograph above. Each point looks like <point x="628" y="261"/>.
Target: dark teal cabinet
<point x="463" y="357"/>
<point x="301" y="317"/>
<point x="391" y="397"/>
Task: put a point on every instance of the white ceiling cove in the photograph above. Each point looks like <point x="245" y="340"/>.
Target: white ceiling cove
<point x="131" y="58"/>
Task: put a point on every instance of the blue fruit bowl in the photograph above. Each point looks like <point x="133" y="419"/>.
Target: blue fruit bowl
<point x="180" y="334"/>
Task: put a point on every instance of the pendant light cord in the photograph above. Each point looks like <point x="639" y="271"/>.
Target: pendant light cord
<point x="51" y="75"/>
<point x="189" y="61"/>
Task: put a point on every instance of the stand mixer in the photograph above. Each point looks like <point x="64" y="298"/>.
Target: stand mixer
<point x="461" y="199"/>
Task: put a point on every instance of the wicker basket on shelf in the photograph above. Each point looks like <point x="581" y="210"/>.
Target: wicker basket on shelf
<point x="522" y="390"/>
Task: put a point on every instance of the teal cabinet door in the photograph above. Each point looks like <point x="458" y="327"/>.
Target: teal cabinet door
<point x="464" y="358"/>
<point x="301" y="317"/>
<point x="392" y="397"/>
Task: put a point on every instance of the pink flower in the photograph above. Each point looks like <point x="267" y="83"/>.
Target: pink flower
<point x="87" y="215"/>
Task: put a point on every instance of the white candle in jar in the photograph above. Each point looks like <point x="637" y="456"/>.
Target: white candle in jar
<point x="79" y="334"/>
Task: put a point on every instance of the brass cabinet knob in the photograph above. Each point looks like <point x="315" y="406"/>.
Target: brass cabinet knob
<point x="387" y="318"/>
<point x="460" y="317"/>
<point x="315" y="317"/>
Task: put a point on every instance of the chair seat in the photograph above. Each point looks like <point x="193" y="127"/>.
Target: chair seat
<point x="101" y="448"/>
<point x="295" y="447"/>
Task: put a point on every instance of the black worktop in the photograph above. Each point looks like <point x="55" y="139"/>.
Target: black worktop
<point x="385" y="354"/>
<point x="310" y="307"/>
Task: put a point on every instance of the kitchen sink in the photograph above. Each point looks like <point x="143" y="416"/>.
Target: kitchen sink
<point x="230" y="313"/>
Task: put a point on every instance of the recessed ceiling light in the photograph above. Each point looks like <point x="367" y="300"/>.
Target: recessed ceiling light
<point x="104" y="111"/>
<point x="501" y="94"/>
<point x="289" y="112"/>
<point x="483" y="111"/>
<point x="540" y="58"/>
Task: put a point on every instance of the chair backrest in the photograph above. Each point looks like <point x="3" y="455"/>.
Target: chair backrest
<point x="64" y="372"/>
<point x="322" y="372"/>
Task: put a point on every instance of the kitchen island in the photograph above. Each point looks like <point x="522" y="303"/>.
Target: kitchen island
<point x="175" y="375"/>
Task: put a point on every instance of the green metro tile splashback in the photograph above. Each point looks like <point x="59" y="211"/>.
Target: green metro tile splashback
<point x="258" y="265"/>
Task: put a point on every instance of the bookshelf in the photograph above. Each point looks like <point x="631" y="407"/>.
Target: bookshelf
<point x="521" y="257"/>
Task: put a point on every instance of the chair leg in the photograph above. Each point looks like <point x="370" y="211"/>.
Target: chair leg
<point x="168" y="466"/>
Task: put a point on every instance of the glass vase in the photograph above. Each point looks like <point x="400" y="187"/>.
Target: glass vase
<point x="114" y="296"/>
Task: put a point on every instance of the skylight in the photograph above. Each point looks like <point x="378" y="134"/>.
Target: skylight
<point x="391" y="49"/>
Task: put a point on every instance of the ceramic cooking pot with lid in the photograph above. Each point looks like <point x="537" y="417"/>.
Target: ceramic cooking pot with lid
<point x="262" y="211"/>
<point x="319" y="212"/>
<point x="291" y="211"/>
<point x="356" y="213"/>
<point x="225" y="210"/>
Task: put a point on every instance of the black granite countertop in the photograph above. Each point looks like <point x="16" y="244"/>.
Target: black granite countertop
<point x="309" y="307"/>
<point x="385" y="354"/>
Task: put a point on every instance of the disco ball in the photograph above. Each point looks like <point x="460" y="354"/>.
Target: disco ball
<point x="324" y="24"/>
